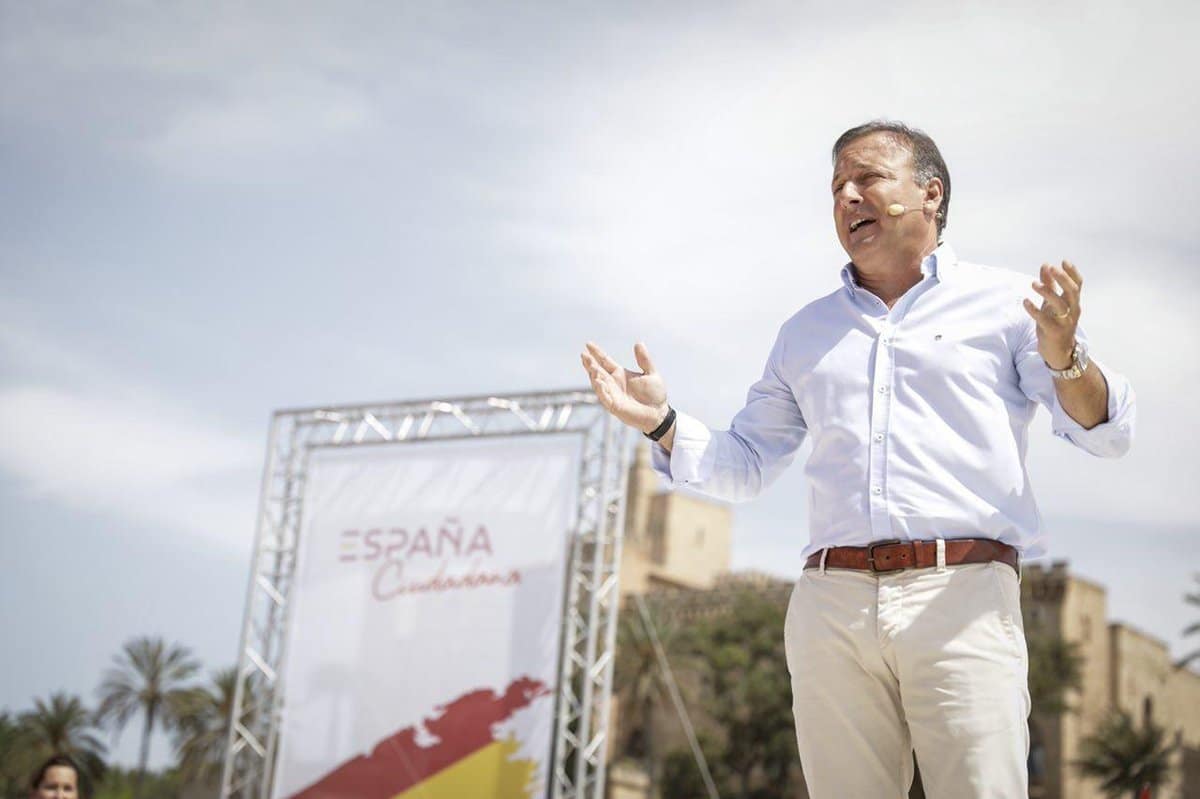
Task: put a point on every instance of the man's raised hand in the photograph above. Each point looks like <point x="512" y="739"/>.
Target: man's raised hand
<point x="1058" y="316"/>
<point x="639" y="399"/>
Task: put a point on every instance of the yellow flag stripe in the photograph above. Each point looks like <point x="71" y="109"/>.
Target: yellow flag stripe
<point x="489" y="773"/>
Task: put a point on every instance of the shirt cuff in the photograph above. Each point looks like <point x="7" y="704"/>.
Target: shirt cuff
<point x="685" y="462"/>
<point x="1109" y="439"/>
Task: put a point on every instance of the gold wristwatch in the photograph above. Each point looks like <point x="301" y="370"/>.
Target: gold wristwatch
<point x="1079" y="364"/>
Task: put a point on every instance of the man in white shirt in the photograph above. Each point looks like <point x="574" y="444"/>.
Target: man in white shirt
<point x="917" y="380"/>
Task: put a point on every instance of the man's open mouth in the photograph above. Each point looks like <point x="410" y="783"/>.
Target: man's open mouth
<point x="860" y="223"/>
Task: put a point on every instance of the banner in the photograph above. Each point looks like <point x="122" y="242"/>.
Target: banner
<point x="423" y="646"/>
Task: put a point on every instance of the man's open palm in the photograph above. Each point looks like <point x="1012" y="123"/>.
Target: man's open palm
<point x="639" y="399"/>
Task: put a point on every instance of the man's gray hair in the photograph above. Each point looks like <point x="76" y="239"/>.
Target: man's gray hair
<point x="927" y="160"/>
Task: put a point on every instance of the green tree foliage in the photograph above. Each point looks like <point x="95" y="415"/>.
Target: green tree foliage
<point x="61" y="725"/>
<point x="148" y="677"/>
<point x="681" y="777"/>
<point x="202" y="728"/>
<point x="121" y="783"/>
<point x="747" y="696"/>
<point x="1123" y="757"/>
<point x="638" y="681"/>
<point x="16" y="757"/>
<point x="1055" y="668"/>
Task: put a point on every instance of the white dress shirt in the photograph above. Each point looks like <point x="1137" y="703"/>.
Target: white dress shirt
<point x="919" y="414"/>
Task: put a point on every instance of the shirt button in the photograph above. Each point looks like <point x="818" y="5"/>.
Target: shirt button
<point x="883" y="389"/>
<point x="879" y="436"/>
<point x="877" y="490"/>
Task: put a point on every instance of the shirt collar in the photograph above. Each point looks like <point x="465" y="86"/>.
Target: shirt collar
<point x="940" y="264"/>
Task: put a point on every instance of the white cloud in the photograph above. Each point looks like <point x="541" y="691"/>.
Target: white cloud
<point x="266" y="116"/>
<point x="696" y="206"/>
<point x="675" y="169"/>
<point x="701" y="182"/>
<point x="73" y="432"/>
<point x="135" y="459"/>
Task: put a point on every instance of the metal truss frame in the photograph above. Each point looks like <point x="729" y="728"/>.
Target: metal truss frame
<point x="580" y="746"/>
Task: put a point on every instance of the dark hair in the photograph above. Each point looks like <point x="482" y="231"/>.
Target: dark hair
<point x="927" y="160"/>
<point x="59" y="760"/>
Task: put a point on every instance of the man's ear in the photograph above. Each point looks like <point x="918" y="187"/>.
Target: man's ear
<point x="933" y="193"/>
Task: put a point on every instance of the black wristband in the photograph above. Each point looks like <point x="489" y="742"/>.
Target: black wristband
<point x="661" y="430"/>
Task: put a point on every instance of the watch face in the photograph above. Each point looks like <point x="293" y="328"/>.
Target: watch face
<point x="1079" y="362"/>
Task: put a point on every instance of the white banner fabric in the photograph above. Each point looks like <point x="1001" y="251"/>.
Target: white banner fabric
<point x="423" y="645"/>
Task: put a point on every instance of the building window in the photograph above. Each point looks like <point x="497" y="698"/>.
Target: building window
<point x="1147" y="712"/>
<point x="1085" y="629"/>
<point x="700" y="537"/>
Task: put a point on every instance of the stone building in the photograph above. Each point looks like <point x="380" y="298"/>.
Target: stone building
<point x="672" y="539"/>
<point x="1123" y="669"/>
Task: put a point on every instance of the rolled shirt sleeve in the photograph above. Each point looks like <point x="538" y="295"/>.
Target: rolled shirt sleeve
<point x="738" y="463"/>
<point x="1110" y="439"/>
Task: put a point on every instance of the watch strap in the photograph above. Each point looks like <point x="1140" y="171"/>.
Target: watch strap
<point x="1079" y="365"/>
<point x="661" y="430"/>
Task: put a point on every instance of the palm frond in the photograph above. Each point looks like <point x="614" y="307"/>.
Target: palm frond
<point x="1124" y="757"/>
<point x="203" y="724"/>
<point x="63" y="725"/>
<point x="148" y="678"/>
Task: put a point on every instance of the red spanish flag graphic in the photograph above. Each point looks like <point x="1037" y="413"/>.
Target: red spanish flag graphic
<point x="467" y="759"/>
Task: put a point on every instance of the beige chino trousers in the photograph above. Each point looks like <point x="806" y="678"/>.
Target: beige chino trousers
<point x="931" y="661"/>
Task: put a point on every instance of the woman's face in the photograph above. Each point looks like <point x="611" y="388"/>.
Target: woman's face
<point x="59" y="782"/>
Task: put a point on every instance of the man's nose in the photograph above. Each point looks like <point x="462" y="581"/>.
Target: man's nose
<point x="848" y="196"/>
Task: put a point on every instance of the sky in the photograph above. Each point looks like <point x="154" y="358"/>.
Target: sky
<point x="213" y="210"/>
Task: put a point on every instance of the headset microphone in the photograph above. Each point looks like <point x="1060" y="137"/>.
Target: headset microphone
<point x="896" y="209"/>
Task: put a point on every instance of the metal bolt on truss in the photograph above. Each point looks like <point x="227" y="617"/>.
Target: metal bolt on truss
<point x="589" y="619"/>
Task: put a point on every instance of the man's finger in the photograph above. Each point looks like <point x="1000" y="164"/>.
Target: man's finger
<point x="1070" y="290"/>
<point x="595" y="372"/>
<point x="607" y="363"/>
<point x="1075" y="274"/>
<point x="1032" y="310"/>
<point x="603" y="393"/>
<point x="602" y="390"/>
<point x="1053" y="301"/>
<point x="642" y="356"/>
<point x="593" y="369"/>
<point x="602" y="386"/>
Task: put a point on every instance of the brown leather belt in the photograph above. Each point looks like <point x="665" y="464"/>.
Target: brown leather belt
<point x="890" y="556"/>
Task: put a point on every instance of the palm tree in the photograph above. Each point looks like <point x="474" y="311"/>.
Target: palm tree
<point x="149" y="677"/>
<point x="1055" y="669"/>
<point x="1124" y="758"/>
<point x="203" y="727"/>
<point x="1194" y="627"/>
<point x="637" y="682"/>
<point x="63" y="726"/>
